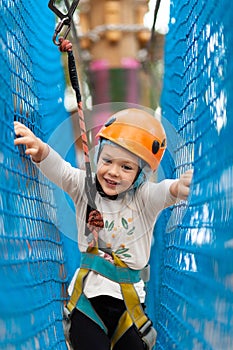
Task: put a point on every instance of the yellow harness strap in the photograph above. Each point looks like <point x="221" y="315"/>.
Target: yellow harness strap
<point x="125" y="322"/>
<point x="78" y="289"/>
<point x="134" y="312"/>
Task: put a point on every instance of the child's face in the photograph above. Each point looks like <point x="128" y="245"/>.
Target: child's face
<point x="116" y="169"/>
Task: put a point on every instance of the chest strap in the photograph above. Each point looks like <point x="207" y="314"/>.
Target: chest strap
<point x="117" y="273"/>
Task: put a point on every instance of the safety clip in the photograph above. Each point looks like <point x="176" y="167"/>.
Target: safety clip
<point x="65" y="19"/>
<point x="148" y="335"/>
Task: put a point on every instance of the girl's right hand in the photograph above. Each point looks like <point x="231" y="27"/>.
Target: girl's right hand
<point x="35" y="147"/>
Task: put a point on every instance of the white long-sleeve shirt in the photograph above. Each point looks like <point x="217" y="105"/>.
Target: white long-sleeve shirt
<point x="128" y="220"/>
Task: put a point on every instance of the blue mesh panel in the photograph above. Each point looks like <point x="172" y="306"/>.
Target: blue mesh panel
<point x="33" y="252"/>
<point x="192" y="286"/>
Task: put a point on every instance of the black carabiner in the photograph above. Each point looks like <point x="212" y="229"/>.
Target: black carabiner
<point x="65" y="19"/>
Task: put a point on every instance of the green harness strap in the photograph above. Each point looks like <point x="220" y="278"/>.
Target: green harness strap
<point x="118" y="272"/>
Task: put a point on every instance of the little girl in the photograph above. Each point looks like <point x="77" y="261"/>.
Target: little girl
<point x="106" y="308"/>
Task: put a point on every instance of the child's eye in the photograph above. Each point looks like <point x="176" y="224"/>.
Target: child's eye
<point x="127" y="167"/>
<point x="106" y="160"/>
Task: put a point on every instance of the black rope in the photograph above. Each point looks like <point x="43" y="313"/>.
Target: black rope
<point x="150" y="46"/>
<point x="156" y="10"/>
<point x="74" y="76"/>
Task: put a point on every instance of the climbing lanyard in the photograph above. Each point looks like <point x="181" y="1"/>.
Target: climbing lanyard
<point x="65" y="20"/>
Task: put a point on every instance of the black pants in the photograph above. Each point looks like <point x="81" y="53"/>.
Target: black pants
<point x="85" y="334"/>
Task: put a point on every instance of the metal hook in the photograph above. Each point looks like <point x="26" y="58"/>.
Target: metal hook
<point x="64" y="22"/>
<point x="65" y="19"/>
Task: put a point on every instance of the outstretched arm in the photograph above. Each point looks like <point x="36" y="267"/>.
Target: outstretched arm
<point x="181" y="188"/>
<point x="35" y="147"/>
<point x="50" y="163"/>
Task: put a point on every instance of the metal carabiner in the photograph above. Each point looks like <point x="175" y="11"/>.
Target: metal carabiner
<point x="65" y="18"/>
<point x="64" y="22"/>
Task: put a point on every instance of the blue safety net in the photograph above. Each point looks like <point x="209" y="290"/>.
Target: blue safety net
<point x="33" y="245"/>
<point x="191" y="290"/>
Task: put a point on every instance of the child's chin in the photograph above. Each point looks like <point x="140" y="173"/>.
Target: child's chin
<point x="111" y="192"/>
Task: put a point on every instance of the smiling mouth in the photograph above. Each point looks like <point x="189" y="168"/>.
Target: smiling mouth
<point x="111" y="182"/>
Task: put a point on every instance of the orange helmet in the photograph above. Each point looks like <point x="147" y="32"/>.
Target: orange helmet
<point x="138" y="132"/>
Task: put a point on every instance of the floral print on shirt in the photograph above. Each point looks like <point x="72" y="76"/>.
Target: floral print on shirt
<point x="126" y="227"/>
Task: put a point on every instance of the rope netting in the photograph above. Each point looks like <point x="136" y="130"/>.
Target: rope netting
<point x="192" y="295"/>
<point x="32" y="260"/>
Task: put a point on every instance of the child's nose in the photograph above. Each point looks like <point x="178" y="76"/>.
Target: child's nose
<point x="114" y="170"/>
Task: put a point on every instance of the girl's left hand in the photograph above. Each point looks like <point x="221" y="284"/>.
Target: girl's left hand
<point x="181" y="188"/>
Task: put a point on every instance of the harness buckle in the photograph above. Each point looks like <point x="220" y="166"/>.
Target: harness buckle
<point x="145" y="273"/>
<point x="66" y="322"/>
<point x="148" y="335"/>
<point x="66" y="313"/>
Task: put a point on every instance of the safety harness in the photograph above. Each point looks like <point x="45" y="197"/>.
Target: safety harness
<point x="118" y="272"/>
